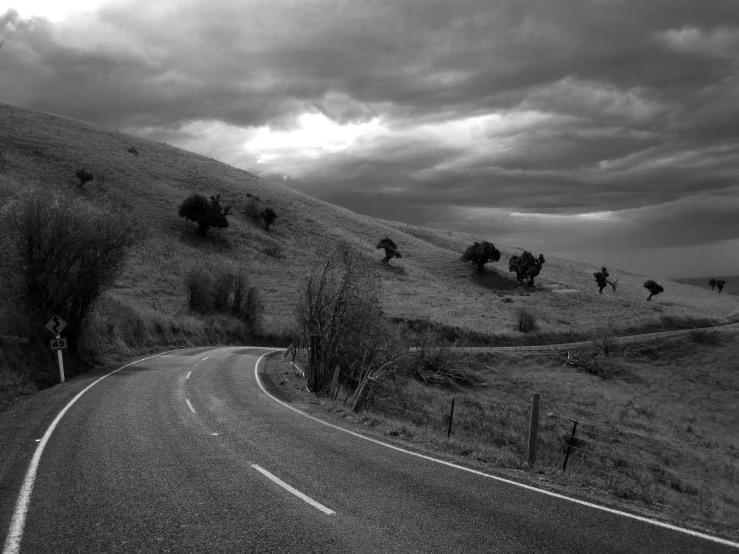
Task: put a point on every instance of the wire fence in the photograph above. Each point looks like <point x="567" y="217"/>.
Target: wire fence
<point x="631" y="458"/>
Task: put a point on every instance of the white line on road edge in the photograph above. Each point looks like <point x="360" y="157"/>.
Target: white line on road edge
<point x="15" y="534"/>
<point x="296" y="492"/>
<point x="188" y="375"/>
<point x="190" y="406"/>
<point x="711" y="538"/>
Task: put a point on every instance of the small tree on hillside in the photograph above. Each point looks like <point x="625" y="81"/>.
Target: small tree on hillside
<point x="526" y="266"/>
<point x="654" y="288"/>
<point x="480" y="253"/>
<point x="712" y="284"/>
<point x="84" y="176"/>
<point x="269" y="216"/>
<point x="391" y="250"/>
<point x="720" y="285"/>
<point x="601" y="277"/>
<point x="206" y="213"/>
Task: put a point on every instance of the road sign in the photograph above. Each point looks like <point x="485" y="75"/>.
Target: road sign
<point x="58" y="344"/>
<point x="56" y="324"/>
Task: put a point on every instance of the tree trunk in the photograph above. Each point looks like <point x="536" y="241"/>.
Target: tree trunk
<point x="650" y="297"/>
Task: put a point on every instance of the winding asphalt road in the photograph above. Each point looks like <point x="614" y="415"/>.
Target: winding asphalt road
<point x="185" y="452"/>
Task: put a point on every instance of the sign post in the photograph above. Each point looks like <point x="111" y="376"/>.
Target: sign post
<point x="56" y="324"/>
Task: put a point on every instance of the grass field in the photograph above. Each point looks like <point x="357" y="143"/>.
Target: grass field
<point x="657" y="422"/>
<point x="147" y="306"/>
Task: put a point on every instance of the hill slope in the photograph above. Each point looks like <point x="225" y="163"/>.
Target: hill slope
<point x="44" y="150"/>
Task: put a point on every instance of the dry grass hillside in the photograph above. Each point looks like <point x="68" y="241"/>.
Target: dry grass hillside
<point x="429" y="281"/>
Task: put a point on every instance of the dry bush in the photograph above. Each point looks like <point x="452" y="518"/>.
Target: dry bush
<point x="199" y="285"/>
<point x="339" y="304"/>
<point x="526" y="320"/>
<point x="59" y="256"/>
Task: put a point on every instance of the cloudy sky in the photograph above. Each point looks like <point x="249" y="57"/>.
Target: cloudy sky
<point x="599" y="130"/>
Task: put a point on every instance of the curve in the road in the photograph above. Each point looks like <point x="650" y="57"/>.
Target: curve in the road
<point x="662" y="524"/>
<point x="17" y="523"/>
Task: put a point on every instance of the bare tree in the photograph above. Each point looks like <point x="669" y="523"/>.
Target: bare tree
<point x="339" y="306"/>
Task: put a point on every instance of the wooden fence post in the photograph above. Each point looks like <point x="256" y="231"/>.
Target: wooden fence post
<point x="533" y="428"/>
<point x="451" y="417"/>
<point x="569" y="443"/>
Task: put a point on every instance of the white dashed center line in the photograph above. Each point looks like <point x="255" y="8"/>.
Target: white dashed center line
<point x="190" y="406"/>
<point x="292" y="490"/>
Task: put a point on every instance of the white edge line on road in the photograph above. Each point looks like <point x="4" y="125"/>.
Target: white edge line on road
<point x="190" y="406"/>
<point x="662" y="524"/>
<point x="17" y="523"/>
<point x="188" y="375"/>
<point x="292" y="490"/>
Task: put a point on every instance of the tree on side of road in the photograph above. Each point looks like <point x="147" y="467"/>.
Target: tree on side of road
<point x="712" y="284"/>
<point x="391" y="249"/>
<point x="339" y="306"/>
<point x="60" y="256"/>
<point x="654" y="288"/>
<point x="206" y="213"/>
<point x="480" y="253"/>
<point x="720" y="285"/>
<point x="601" y="278"/>
<point x="526" y="266"/>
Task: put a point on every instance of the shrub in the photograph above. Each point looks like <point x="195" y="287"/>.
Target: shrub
<point x="206" y="213"/>
<point x="654" y="288"/>
<point x="526" y="266"/>
<point x="601" y="278"/>
<point x="84" y="176"/>
<point x="480" y="253"/>
<point x="391" y="250"/>
<point x="60" y="256"/>
<point x="199" y="284"/>
<point x="268" y="215"/>
<point x="526" y="320"/>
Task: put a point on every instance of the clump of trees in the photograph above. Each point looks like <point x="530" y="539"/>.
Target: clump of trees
<point x="717" y="284"/>
<point x="339" y="315"/>
<point x="226" y="292"/>
<point x="480" y="253"/>
<point x="654" y="288"/>
<point x="526" y="266"/>
<point x="84" y="176"/>
<point x="59" y="256"/>
<point x="206" y="213"/>
<point x="391" y="250"/>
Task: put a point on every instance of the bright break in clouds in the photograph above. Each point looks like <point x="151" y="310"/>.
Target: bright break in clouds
<point x="602" y="130"/>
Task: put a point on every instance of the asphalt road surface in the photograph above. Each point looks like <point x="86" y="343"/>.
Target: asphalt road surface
<point x="184" y="452"/>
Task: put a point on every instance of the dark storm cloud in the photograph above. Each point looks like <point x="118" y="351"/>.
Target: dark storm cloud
<point x="565" y="106"/>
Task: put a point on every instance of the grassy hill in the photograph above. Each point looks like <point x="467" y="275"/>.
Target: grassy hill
<point x="147" y="305"/>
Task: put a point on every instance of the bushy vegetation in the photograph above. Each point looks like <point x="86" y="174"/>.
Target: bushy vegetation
<point x="227" y="293"/>
<point x="526" y="266"/>
<point x="480" y="253"/>
<point x="59" y="256"/>
<point x="654" y="288"/>
<point x="391" y="249"/>
<point x="354" y="343"/>
<point x="84" y="176"/>
<point x="206" y="213"/>
<point x="526" y="320"/>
